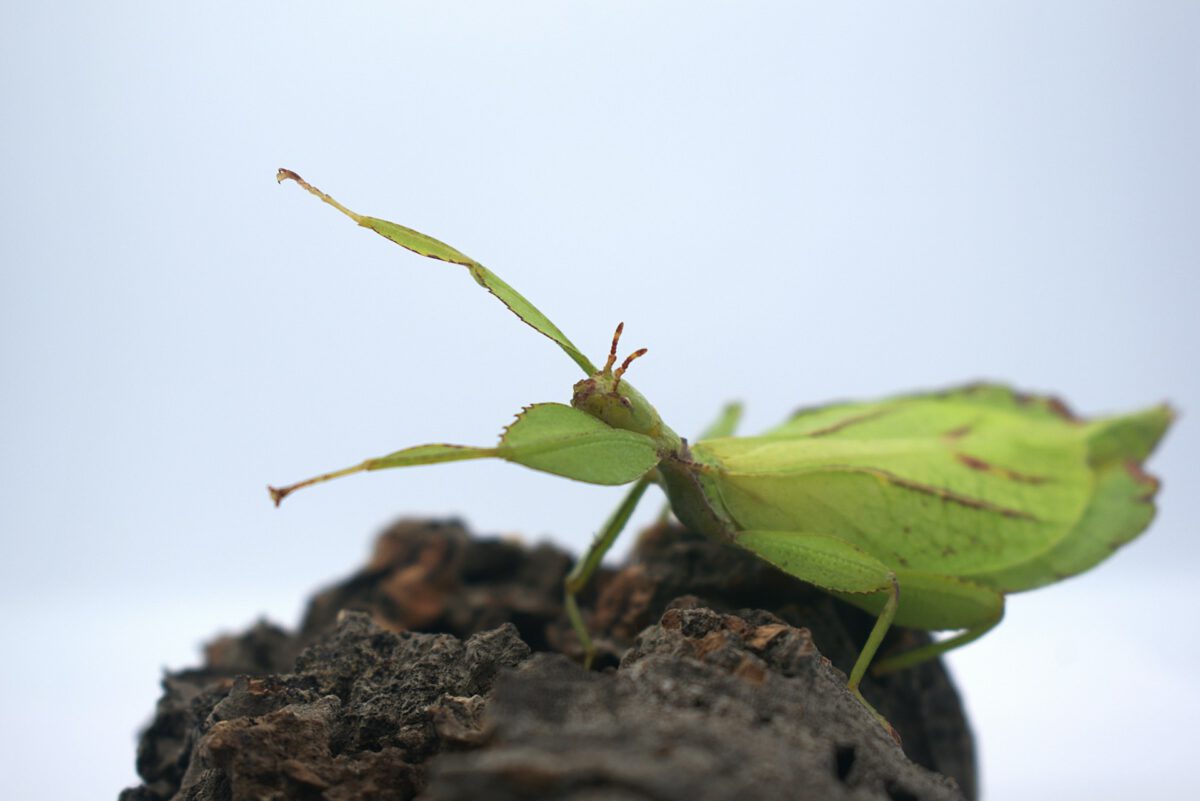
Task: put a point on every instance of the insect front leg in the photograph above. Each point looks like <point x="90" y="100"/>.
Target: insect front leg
<point x="579" y="576"/>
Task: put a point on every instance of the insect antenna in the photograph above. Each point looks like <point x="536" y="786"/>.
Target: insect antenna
<point x="637" y="354"/>
<point x="612" y="351"/>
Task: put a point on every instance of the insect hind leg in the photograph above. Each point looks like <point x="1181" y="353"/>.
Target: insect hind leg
<point x="942" y="603"/>
<point x="838" y="566"/>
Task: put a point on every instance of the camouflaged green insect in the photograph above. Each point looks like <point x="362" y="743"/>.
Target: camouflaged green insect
<point x="923" y="509"/>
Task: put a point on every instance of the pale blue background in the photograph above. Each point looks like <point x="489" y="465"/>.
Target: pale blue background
<point x="788" y="203"/>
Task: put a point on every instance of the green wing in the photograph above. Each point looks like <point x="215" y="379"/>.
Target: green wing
<point x="1120" y="507"/>
<point x="978" y="482"/>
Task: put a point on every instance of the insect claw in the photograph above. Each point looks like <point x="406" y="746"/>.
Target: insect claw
<point x="278" y="494"/>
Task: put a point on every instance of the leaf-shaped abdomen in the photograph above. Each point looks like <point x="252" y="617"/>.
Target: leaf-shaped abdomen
<point x="954" y="506"/>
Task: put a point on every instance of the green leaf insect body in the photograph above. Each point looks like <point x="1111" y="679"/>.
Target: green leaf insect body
<point x="924" y="509"/>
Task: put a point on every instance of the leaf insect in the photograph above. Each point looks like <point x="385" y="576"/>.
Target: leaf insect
<point x="923" y="509"/>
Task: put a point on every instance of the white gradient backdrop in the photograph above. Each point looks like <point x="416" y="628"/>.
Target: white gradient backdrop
<point x="787" y="203"/>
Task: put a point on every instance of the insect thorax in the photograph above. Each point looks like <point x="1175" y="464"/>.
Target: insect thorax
<point x="618" y="404"/>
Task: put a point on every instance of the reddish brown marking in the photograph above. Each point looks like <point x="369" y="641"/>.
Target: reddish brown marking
<point x="1055" y="406"/>
<point x="637" y="354"/>
<point x="949" y="551"/>
<point x="1061" y="409"/>
<point x="612" y="351"/>
<point x="957" y="433"/>
<point x="947" y="495"/>
<point x="849" y="421"/>
<point x="973" y="463"/>
<point x="976" y="463"/>
<point x="1134" y="469"/>
<point x="936" y="492"/>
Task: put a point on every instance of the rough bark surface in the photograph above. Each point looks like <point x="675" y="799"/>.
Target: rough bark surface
<point x="445" y="669"/>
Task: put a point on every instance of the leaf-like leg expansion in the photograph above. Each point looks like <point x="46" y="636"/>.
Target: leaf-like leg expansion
<point x="724" y="426"/>
<point x="579" y="576"/>
<point x="551" y="437"/>
<point x="833" y="564"/>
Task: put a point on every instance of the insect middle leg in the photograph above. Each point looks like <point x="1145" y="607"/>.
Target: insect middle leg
<point x="579" y="576"/>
